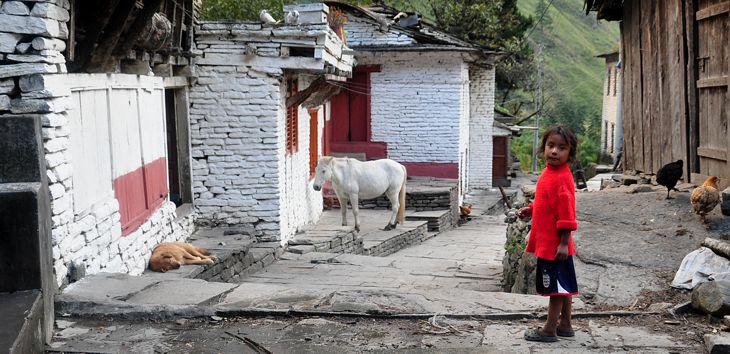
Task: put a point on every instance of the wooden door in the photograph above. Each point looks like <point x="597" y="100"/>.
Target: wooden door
<point x="351" y="110"/>
<point x="499" y="161"/>
<point x="713" y="66"/>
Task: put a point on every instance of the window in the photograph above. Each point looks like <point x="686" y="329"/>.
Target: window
<point x="313" y="141"/>
<point x="292" y="118"/>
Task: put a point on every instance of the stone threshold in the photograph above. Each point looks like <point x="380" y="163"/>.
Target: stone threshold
<point x="239" y="255"/>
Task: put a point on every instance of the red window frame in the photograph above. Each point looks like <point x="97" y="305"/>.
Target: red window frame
<point x="313" y="141"/>
<point x="292" y="118"/>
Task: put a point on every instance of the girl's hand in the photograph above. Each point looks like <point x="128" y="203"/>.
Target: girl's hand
<point x="562" y="253"/>
<point x="524" y="213"/>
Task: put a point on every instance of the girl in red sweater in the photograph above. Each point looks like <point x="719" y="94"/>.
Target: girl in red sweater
<point x="553" y="219"/>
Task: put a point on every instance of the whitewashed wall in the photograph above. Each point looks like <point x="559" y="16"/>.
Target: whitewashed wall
<point x="242" y="174"/>
<point x="86" y="221"/>
<point x="481" y="127"/>
<point x="611" y="93"/>
<point x="300" y="203"/>
<point x="363" y="32"/>
<point x="415" y="109"/>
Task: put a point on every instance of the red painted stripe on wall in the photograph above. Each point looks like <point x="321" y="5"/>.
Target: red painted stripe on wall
<point x="432" y="169"/>
<point x="140" y="193"/>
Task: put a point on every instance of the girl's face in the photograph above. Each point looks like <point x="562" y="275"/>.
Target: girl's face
<point x="557" y="150"/>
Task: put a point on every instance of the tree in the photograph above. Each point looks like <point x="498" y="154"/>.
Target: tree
<point x="542" y="15"/>
<point x="495" y="24"/>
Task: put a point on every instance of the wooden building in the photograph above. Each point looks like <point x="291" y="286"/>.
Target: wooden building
<point x="675" y="101"/>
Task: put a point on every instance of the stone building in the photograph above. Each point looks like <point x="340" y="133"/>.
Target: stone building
<point x="256" y="120"/>
<point x="611" y="94"/>
<point x="117" y="133"/>
<point x="418" y="95"/>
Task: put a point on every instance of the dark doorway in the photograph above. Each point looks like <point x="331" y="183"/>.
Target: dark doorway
<point x="178" y="146"/>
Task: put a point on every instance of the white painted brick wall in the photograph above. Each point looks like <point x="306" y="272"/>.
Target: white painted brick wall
<point x="363" y="32"/>
<point x="416" y="109"/>
<point x="31" y="43"/>
<point x="481" y="127"/>
<point x="236" y="138"/>
<point x="242" y="173"/>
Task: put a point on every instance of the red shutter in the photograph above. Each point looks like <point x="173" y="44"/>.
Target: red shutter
<point x="313" y="141"/>
<point x="292" y="119"/>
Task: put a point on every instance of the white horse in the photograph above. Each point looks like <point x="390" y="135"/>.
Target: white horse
<point x="354" y="180"/>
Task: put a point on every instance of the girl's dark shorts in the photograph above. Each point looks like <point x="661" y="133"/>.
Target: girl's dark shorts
<point x="555" y="278"/>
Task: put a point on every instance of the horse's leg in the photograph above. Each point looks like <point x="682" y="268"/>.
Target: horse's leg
<point x="394" y="204"/>
<point x="354" y="201"/>
<point x="343" y="209"/>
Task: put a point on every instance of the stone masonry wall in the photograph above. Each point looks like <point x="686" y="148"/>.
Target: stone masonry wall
<point x="414" y="109"/>
<point x="243" y="172"/>
<point x="365" y="32"/>
<point x="235" y="141"/>
<point x="481" y="124"/>
<point x="32" y="71"/>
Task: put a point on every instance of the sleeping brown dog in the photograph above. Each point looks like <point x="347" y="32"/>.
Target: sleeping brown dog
<point x="171" y="255"/>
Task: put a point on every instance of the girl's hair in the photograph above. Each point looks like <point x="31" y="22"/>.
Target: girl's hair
<point x="567" y="134"/>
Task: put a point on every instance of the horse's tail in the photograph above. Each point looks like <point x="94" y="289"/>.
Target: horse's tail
<point x="402" y="198"/>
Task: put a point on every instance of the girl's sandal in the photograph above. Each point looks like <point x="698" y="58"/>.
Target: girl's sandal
<point x="565" y="332"/>
<point x="535" y="335"/>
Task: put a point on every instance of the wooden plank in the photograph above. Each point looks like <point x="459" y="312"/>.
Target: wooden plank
<point x="691" y="99"/>
<point x="648" y="18"/>
<point x="183" y="144"/>
<point x="714" y="10"/>
<point x="711" y="153"/>
<point x="663" y="119"/>
<point x="719" y="81"/>
<point x="135" y="30"/>
<point x="99" y="59"/>
<point x="103" y="11"/>
<point x="677" y="81"/>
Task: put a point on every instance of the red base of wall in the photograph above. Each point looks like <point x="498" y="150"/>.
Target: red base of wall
<point x="432" y="169"/>
<point x="140" y="193"/>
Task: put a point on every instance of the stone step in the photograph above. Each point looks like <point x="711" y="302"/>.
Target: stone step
<point x="383" y="243"/>
<point x="239" y="254"/>
<point x="22" y="314"/>
<point x="438" y="220"/>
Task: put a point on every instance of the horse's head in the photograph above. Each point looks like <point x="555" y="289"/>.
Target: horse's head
<point x="322" y="173"/>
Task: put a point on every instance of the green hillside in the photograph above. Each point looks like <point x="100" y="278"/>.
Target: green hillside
<point x="572" y="42"/>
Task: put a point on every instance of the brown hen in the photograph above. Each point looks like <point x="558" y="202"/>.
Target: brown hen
<point x="705" y="197"/>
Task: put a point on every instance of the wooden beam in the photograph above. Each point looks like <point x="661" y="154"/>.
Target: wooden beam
<point x="100" y="58"/>
<point x="299" y="97"/>
<point x="135" y="30"/>
<point x="103" y="12"/>
<point x="713" y="10"/>
<point x="718" y="81"/>
<point x="715" y="154"/>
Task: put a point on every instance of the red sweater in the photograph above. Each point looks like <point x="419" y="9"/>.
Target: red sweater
<point x="552" y="210"/>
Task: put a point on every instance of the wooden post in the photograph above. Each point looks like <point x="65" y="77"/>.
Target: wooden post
<point x="719" y="247"/>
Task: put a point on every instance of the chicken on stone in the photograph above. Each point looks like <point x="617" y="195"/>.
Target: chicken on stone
<point x="669" y="175"/>
<point x="705" y="197"/>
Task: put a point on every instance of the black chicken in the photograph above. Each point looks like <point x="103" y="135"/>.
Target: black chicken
<point x="669" y="174"/>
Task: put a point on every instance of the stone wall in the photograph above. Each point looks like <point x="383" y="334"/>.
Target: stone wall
<point x="519" y="267"/>
<point x="243" y="173"/>
<point x="481" y="89"/>
<point x="33" y="82"/>
<point x="236" y="138"/>
<point x="415" y="109"/>
<point x="363" y="32"/>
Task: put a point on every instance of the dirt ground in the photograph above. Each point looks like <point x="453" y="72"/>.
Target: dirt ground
<point x="629" y="247"/>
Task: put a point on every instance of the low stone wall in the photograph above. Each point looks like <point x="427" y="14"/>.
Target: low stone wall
<point x="423" y="194"/>
<point x="231" y="268"/>
<point x="342" y="242"/>
<point x="519" y="267"/>
<point x="399" y="242"/>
